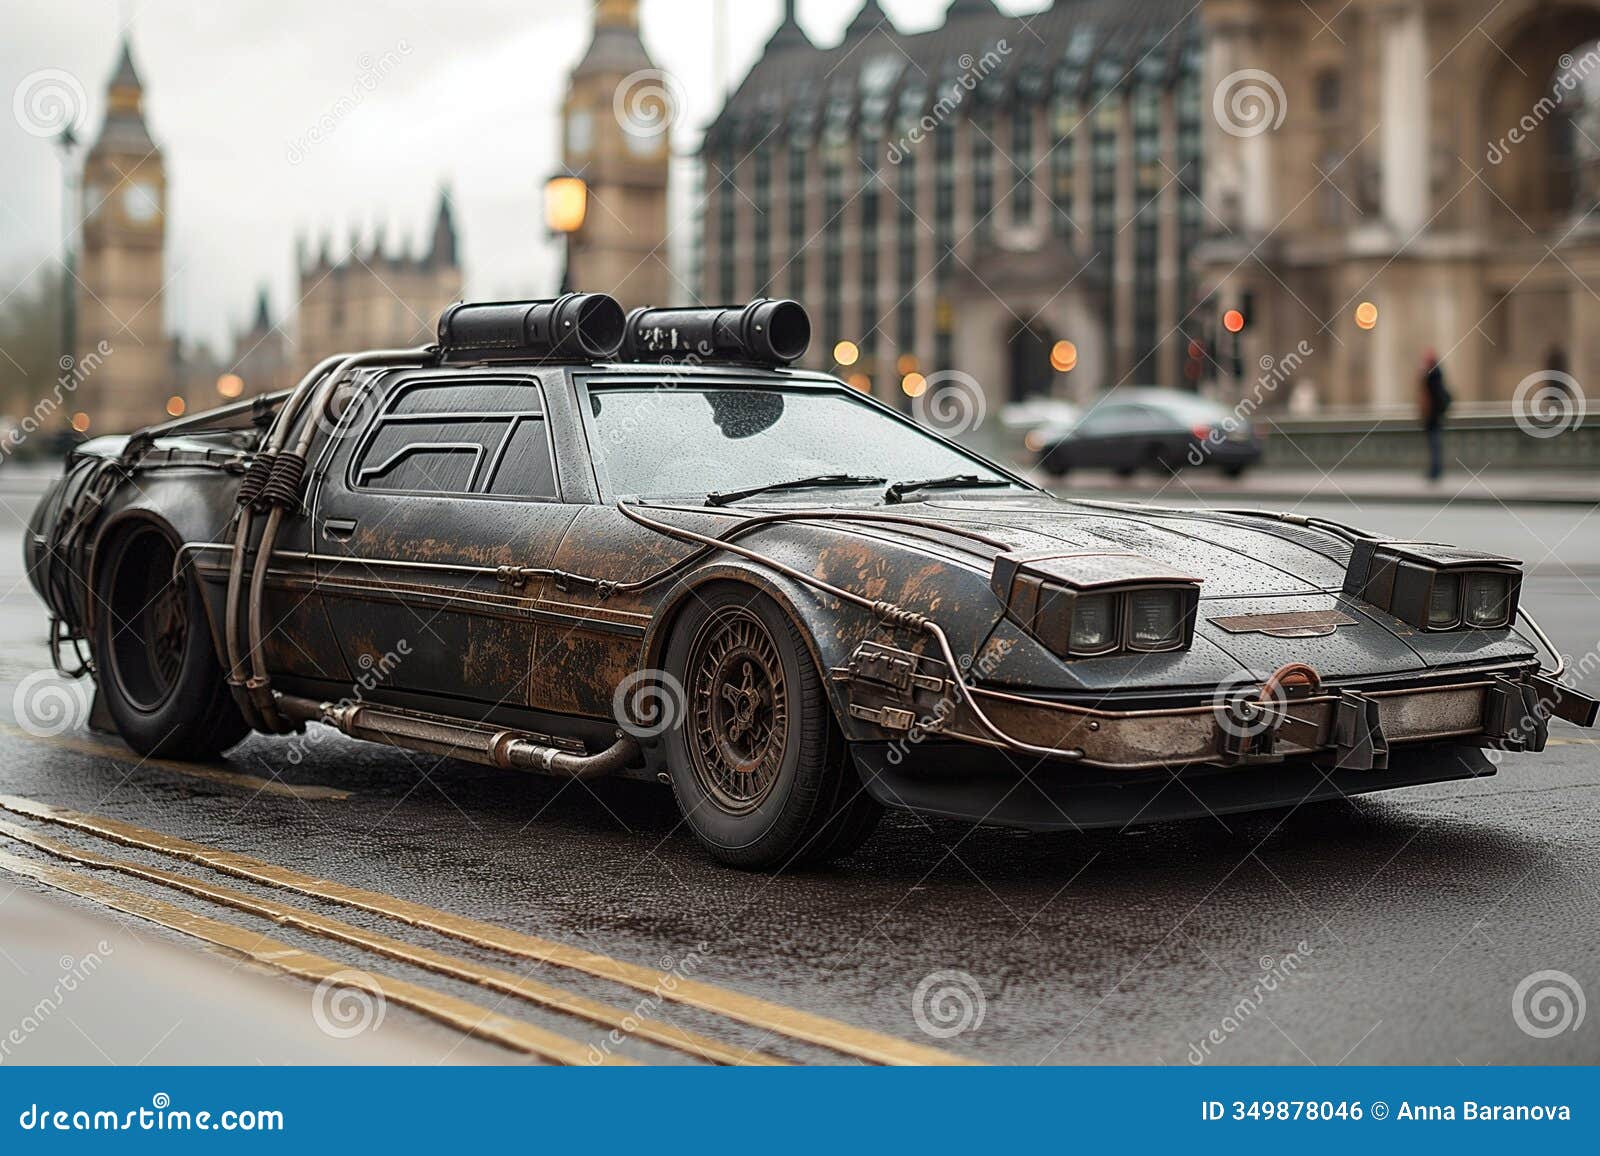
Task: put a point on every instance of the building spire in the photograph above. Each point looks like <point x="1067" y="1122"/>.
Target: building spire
<point x="871" y="16"/>
<point x="263" y="321"/>
<point x="789" y="34"/>
<point x="443" y="249"/>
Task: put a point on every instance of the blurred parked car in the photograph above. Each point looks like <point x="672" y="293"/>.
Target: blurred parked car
<point x="1038" y="412"/>
<point x="1156" y="429"/>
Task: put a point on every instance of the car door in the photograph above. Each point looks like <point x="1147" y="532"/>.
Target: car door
<point x="434" y="481"/>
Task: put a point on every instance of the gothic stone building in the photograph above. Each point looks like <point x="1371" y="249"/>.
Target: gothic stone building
<point x="1433" y="158"/>
<point x="120" y="281"/>
<point x="372" y="297"/>
<point x="965" y="197"/>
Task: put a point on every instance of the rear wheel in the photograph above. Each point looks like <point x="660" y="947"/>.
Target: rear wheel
<point x="758" y="766"/>
<point x="154" y="661"/>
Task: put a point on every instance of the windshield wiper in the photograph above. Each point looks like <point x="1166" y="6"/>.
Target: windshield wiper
<point x="723" y="497"/>
<point x="899" y="490"/>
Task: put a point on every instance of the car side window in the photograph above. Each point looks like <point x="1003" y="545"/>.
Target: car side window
<point x="485" y="438"/>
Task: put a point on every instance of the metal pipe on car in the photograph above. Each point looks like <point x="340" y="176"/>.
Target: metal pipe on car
<point x="507" y="749"/>
<point x="282" y="488"/>
<point x="241" y="541"/>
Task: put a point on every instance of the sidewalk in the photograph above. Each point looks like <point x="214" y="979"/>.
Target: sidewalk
<point x="1520" y="488"/>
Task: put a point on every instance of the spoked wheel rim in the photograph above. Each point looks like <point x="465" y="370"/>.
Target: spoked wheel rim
<point x="740" y="704"/>
<point x="149" y="619"/>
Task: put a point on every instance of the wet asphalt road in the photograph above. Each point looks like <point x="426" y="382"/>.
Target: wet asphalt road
<point x="1394" y="929"/>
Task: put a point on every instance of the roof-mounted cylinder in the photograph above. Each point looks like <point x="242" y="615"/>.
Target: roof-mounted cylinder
<point x="767" y="331"/>
<point x="574" y="327"/>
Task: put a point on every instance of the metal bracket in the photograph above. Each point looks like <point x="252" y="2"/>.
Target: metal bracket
<point x="1515" y="717"/>
<point x="1357" y="734"/>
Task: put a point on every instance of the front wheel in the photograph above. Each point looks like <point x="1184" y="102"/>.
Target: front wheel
<point x="154" y="660"/>
<point x="758" y="765"/>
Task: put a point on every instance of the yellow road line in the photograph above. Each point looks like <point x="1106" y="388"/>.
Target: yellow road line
<point x="458" y="1013"/>
<point x="495" y="979"/>
<point x="1561" y="742"/>
<point x="862" y="1043"/>
<point x="106" y="750"/>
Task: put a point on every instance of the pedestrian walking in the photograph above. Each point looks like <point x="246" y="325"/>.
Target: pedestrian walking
<point x="1434" y="403"/>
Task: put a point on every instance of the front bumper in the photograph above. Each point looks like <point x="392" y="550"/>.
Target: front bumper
<point x="909" y="698"/>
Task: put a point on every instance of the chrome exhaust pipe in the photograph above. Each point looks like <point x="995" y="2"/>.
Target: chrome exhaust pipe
<point x="506" y="749"/>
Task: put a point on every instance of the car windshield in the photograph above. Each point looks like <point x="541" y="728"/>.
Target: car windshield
<point x="656" y="441"/>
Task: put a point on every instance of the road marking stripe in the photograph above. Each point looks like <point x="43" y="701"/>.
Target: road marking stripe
<point x="793" y="1023"/>
<point x="458" y="1013"/>
<point x="106" y="750"/>
<point x="495" y="979"/>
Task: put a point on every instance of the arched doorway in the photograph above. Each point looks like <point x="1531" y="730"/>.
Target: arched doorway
<point x="1028" y="362"/>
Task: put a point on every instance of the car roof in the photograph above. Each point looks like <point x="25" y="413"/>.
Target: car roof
<point x="1173" y="401"/>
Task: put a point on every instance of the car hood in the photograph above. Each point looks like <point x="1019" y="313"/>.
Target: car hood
<point x="1247" y="566"/>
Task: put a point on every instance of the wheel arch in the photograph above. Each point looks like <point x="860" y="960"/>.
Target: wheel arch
<point x="119" y="523"/>
<point x="828" y="639"/>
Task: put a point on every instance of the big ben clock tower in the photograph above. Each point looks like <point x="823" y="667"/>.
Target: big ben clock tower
<point x="617" y="122"/>
<point x="120" y="290"/>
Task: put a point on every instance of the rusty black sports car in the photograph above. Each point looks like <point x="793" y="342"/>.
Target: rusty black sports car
<point x="576" y="542"/>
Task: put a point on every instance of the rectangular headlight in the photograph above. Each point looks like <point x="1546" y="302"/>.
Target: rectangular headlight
<point x="1090" y="603"/>
<point x="1435" y="587"/>
<point x="1155" y="619"/>
<point x="1094" y="624"/>
<point x="1488" y="599"/>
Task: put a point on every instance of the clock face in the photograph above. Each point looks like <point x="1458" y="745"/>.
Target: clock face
<point x="140" y="203"/>
<point x="580" y="132"/>
<point x="644" y="144"/>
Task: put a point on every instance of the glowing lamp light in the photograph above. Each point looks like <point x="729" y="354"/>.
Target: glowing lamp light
<point x="914" y="384"/>
<point x="566" y="203"/>
<point x="907" y="364"/>
<point x="1063" y="357"/>
<point x="1233" y="321"/>
<point x="1366" y="315"/>
<point x="860" y="381"/>
<point x="230" y="385"/>
<point x="175" y="406"/>
<point x="80" y="422"/>
<point x="846" y="353"/>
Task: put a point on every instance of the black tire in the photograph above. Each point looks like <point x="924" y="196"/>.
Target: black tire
<point x="758" y="765"/>
<point x="1234" y="472"/>
<point x="1156" y="459"/>
<point x="154" y="660"/>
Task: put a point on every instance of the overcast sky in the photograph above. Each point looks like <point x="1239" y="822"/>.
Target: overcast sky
<point x="469" y="95"/>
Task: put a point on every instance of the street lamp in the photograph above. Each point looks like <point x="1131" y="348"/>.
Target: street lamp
<point x="66" y="143"/>
<point x="566" y="204"/>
